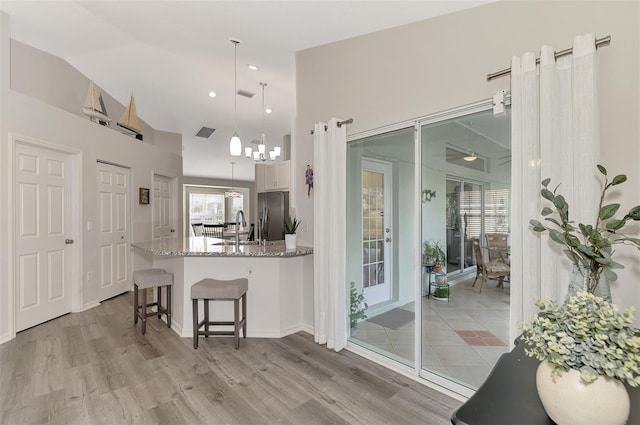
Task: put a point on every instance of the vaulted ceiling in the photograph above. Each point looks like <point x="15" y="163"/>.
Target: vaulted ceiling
<point x="171" y="54"/>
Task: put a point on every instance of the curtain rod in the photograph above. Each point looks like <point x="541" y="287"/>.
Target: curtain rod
<point x="600" y="42"/>
<point x="340" y="124"/>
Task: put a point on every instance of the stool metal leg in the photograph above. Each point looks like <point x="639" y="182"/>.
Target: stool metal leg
<point x="206" y="317"/>
<point x="169" y="306"/>
<point x="195" y="323"/>
<point x="159" y="298"/>
<point x="244" y="315"/>
<point x="236" y="322"/>
<point x="144" y="311"/>
<point x="135" y="304"/>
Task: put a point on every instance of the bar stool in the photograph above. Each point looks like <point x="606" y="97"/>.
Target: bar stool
<point x="217" y="290"/>
<point x="151" y="278"/>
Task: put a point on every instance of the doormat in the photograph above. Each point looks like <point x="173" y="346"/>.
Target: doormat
<point x="393" y="319"/>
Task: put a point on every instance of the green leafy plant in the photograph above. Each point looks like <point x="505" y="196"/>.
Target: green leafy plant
<point x="432" y="251"/>
<point x="291" y="225"/>
<point x="359" y="306"/>
<point x="441" y="292"/>
<point x="586" y="334"/>
<point x="588" y="246"/>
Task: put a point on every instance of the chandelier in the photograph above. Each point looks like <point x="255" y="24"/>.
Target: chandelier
<point x="261" y="153"/>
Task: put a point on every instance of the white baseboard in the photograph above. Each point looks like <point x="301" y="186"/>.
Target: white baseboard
<point x="6" y="337"/>
<point x="308" y="329"/>
<point x="178" y="329"/>
<point x="89" y="306"/>
<point x="409" y="372"/>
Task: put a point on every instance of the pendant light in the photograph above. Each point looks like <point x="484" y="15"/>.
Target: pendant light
<point x="471" y="155"/>
<point x="261" y="153"/>
<point x="235" y="145"/>
<point x="232" y="193"/>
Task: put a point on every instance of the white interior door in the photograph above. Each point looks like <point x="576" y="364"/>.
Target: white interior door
<point x="162" y="205"/>
<point x="377" y="234"/>
<point x="43" y="239"/>
<point x="113" y="238"/>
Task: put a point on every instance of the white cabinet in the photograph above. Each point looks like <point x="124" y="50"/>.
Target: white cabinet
<point x="273" y="177"/>
<point x="260" y="178"/>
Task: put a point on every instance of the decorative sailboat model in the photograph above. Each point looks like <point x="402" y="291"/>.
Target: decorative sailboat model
<point x="128" y="122"/>
<point x="94" y="106"/>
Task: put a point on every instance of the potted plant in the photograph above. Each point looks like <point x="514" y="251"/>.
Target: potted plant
<point x="290" y="226"/>
<point x="589" y="247"/>
<point x="587" y="350"/>
<point x="441" y="292"/>
<point x="359" y="307"/>
<point x="433" y="255"/>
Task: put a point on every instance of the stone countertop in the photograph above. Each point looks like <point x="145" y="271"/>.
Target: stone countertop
<point x="199" y="246"/>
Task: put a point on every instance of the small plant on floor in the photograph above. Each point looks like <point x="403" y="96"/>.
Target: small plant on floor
<point x="359" y="306"/>
<point x="441" y="292"/>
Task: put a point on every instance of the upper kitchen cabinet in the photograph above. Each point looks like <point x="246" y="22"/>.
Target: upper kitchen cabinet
<point x="273" y="177"/>
<point x="260" y="178"/>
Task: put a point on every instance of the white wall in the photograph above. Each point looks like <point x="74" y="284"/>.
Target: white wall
<point x="438" y="64"/>
<point x="26" y="116"/>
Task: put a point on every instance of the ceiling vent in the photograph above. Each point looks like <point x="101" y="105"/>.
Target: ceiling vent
<point x="246" y="93"/>
<point x="205" y="132"/>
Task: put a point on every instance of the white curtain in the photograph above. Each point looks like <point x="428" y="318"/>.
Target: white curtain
<point x="329" y="230"/>
<point x="554" y="135"/>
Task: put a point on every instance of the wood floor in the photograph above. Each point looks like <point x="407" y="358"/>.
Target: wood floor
<point x="96" y="368"/>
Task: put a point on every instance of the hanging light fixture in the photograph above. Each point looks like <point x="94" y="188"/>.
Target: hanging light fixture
<point x="261" y="153"/>
<point x="471" y="155"/>
<point x="232" y="193"/>
<point x="235" y="145"/>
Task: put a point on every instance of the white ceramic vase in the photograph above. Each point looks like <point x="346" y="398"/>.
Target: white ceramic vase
<point x="291" y="241"/>
<point x="568" y="400"/>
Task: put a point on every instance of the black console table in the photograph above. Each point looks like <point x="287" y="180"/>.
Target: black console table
<point x="509" y="395"/>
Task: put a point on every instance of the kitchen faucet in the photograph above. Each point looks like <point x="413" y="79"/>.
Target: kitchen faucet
<point x="238" y="214"/>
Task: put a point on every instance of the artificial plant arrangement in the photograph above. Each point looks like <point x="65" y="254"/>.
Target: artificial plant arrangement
<point x="359" y="306"/>
<point x="587" y="334"/>
<point x="291" y="225"/>
<point x="589" y="247"/>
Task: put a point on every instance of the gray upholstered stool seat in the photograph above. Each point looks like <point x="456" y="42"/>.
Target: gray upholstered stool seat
<point x="213" y="289"/>
<point x="151" y="278"/>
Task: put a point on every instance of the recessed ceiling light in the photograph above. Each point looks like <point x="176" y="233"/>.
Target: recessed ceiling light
<point x="212" y="94"/>
<point x="253" y="67"/>
<point x="268" y="110"/>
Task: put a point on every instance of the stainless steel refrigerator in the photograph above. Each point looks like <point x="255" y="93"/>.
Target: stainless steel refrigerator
<point x="273" y="209"/>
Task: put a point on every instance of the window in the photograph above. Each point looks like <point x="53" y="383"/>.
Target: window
<point x="206" y="208"/>
<point x="208" y="205"/>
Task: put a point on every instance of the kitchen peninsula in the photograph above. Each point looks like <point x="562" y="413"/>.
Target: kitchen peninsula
<point x="276" y="280"/>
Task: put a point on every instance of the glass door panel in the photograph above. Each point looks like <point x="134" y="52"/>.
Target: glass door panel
<point x="380" y="236"/>
<point x="466" y="164"/>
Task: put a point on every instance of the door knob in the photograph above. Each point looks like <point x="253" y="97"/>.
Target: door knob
<point x="173" y="230"/>
<point x="68" y="241"/>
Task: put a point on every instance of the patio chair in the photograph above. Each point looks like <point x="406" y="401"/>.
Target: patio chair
<point x="495" y="269"/>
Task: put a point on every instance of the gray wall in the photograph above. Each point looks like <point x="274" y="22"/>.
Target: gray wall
<point x="35" y="118"/>
<point x="61" y="85"/>
<point x="441" y="63"/>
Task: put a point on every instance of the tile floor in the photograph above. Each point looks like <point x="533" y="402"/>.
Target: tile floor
<point x="462" y="339"/>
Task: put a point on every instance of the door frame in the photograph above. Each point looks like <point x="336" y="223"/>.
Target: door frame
<point x="76" y="224"/>
<point x="178" y="193"/>
<point x="132" y="198"/>
<point x="386" y="168"/>
<point x="462" y="247"/>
